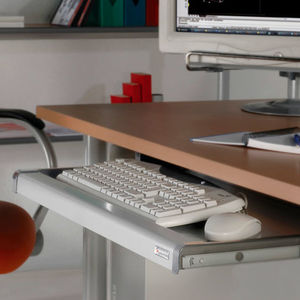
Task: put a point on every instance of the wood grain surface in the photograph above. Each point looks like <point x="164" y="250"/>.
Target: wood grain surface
<point x="163" y="130"/>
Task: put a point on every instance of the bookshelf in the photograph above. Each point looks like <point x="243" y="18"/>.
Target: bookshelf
<point x="56" y="31"/>
<point x="38" y="15"/>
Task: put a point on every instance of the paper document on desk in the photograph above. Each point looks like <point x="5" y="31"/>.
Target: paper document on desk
<point x="234" y="139"/>
<point x="281" y="140"/>
<point x="281" y="143"/>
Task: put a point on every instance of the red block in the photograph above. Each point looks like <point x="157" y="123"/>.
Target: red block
<point x="145" y="81"/>
<point x="152" y="12"/>
<point x="120" y="99"/>
<point x="133" y="90"/>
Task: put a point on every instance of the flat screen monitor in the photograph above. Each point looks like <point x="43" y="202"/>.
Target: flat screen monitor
<point x="239" y="34"/>
<point x="264" y="28"/>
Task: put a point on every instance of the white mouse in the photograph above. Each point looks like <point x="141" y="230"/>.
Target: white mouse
<point x="231" y="227"/>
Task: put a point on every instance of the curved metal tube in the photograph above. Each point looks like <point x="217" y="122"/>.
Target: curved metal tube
<point x="48" y="150"/>
<point x="41" y="138"/>
<point x="212" y="67"/>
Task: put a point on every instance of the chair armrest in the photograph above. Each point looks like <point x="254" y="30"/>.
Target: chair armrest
<point x="22" y="115"/>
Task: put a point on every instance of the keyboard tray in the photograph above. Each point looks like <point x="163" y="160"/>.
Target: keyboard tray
<point x="174" y="248"/>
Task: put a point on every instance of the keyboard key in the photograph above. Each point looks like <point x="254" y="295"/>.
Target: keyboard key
<point x="188" y="208"/>
<point x="139" y="203"/>
<point x="167" y="185"/>
<point x="134" y="193"/>
<point x="69" y="173"/>
<point x="151" y="192"/>
<point x="167" y="206"/>
<point x="192" y="201"/>
<point x="166" y="213"/>
<point x="210" y="203"/>
<point x="154" y="210"/>
<point x="90" y="183"/>
<point x="158" y="200"/>
<point x="123" y="197"/>
<point x="147" y="207"/>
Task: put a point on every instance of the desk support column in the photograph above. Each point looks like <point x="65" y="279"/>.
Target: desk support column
<point x="95" y="264"/>
<point x="224" y="85"/>
<point x="97" y="251"/>
<point x="95" y="150"/>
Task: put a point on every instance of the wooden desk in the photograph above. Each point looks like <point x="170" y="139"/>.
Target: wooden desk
<point x="163" y="130"/>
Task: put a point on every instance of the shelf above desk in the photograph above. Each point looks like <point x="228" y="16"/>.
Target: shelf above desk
<point x="48" y="31"/>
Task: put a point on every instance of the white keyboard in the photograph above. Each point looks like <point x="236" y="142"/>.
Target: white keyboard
<point x="140" y="187"/>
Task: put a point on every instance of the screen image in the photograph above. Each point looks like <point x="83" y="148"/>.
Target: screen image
<point x="257" y="17"/>
<point x="258" y="8"/>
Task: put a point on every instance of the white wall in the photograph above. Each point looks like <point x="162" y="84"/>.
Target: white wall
<point x="257" y="85"/>
<point x="82" y="71"/>
<point x="35" y="11"/>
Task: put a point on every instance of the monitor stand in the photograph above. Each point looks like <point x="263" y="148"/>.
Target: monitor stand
<point x="288" y="107"/>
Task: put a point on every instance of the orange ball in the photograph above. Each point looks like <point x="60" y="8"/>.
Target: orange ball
<point x="17" y="236"/>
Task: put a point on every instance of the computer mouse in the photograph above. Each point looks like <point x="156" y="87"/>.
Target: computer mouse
<point x="231" y="227"/>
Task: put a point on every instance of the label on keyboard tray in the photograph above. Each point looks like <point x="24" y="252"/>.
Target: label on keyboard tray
<point x="164" y="253"/>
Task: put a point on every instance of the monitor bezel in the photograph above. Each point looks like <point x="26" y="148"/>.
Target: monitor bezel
<point x="172" y="41"/>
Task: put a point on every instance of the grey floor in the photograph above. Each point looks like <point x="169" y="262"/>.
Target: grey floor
<point x="42" y="285"/>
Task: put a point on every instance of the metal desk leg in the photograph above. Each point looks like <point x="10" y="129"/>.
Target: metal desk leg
<point x="97" y="251"/>
<point x="94" y="266"/>
<point x="94" y="246"/>
<point x="95" y="150"/>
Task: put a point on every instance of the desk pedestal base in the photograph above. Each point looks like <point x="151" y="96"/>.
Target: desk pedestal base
<point x="94" y="266"/>
<point x="110" y="272"/>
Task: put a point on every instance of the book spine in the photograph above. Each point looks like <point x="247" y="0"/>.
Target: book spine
<point x="134" y="12"/>
<point x="66" y="12"/>
<point x="79" y="4"/>
<point x="84" y="13"/>
<point x="93" y="15"/>
<point x="112" y="13"/>
<point x="152" y="12"/>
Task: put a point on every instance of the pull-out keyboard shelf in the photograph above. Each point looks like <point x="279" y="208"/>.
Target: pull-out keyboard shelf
<point x="176" y="248"/>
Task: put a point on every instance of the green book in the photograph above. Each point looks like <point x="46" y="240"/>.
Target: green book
<point x="105" y="13"/>
<point x="112" y="13"/>
<point x="92" y="18"/>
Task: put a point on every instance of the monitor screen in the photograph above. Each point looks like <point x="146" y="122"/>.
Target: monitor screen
<point x="249" y="27"/>
<point x="258" y="17"/>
